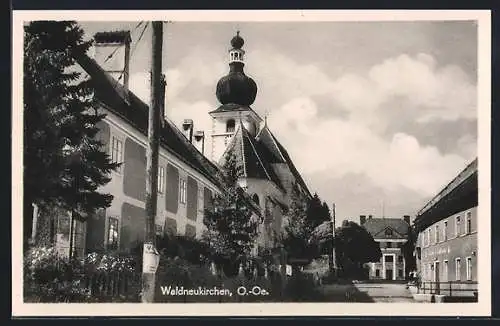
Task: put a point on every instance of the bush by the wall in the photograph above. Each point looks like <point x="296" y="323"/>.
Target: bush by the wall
<point x="48" y="277"/>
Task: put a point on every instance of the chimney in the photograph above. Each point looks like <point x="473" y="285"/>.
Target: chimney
<point x="112" y="53"/>
<point x="187" y="128"/>
<point x="406" y="218"/>
<point x="370" y="217"/>
<point x="362" y="219"/>
<point x="199" y="138"/>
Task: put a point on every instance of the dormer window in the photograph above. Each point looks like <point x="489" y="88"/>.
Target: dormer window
<point x="230" y="125"/>
<point x="388" y="232"/>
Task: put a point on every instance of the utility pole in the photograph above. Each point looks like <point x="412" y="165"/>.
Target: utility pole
<point x="334" y="258"/>
<point x="150" y="254"/>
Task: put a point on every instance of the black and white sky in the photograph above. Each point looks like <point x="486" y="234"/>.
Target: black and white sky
<point x="378" y="116"/>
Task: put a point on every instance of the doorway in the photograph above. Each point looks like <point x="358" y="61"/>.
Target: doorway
<point x="388" y="274"/>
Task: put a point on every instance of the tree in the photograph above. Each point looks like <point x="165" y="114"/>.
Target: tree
<point x="296" y="234"/>
<point x="317" y="212"/>
<point x="64" y="163"/>
<point x="355" y="247"/>
<point x="231" y="226"/>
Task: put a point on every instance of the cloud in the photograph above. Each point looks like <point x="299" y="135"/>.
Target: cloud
<point x="431" y="92"/>
<point x="201" y="67"/>
<point x="352" y="143"/>
<point x="338" y="147"/>
<point x="354" y="195"/>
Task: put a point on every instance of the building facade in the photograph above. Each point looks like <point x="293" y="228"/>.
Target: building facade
<point x="186" y="178"/>
<point x="446" y="248"/>
<point x="391" y="234"/>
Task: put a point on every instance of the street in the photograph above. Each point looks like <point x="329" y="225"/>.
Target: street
<point x="367" y="292"/>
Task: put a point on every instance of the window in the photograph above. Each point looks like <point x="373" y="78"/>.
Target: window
<point x="388" y="232"/>
<point x="112" y="233"/>
<point x="457" y="269"/>
<point x="457" y="225"/>
<point x="437" y="234"/>
<point x="400" y="259"/>
<point x="389" y="259"/>
<point x="400" y="273"/>
<point x="161" y="179"/>
<point x="183" y="191"/>
<point x="468" y="221"/>
<point x="200" y="199"/>
<point x="469" y="268"/>
<point x="116" y="152"/>
<point x="255" y="198"/>
<point x="389" y="244"/>
<point x="445" y="271"/>
<point x="230" y="125"/>
<point x="445" y="231"/>
<point x="432" y="239"/>
<point x="377" y="273"/>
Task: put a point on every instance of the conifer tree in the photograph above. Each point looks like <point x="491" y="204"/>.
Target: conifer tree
<point x="64" y="162"/>
<point x="231" y="227"/>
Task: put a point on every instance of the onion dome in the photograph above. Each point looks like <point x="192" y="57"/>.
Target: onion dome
<point x="237" y="42"/>
<point x="236" y="87"/>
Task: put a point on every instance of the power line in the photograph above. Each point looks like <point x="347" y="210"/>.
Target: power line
<point x="132" y="52"/>
<point x="116" y="49"/>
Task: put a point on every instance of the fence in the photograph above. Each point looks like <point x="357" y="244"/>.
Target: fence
<point x="111" y="286"/>
<point x="450" y="288"/>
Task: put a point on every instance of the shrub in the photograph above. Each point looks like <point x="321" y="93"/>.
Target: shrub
<point x="48" y="277"/>
<point x="51" y="278"/>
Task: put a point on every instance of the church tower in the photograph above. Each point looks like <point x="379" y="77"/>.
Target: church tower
<point x="236" y="92"/>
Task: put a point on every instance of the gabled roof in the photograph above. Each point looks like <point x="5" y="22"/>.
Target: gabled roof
<point x="272" y="151"/>
<point x="129" y="107"/>
<point x="459" y="195"/>
<point x="249" y="155"/>
<point x="267" y="139"/>
<point x="465" y="174"/>
<point x="377" y="226"/>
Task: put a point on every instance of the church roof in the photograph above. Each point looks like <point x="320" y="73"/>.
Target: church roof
<point x="377" y="227"/>
<point x="279" y="154"/>
<point x="231" y="107"/>
<point x="129" y="107"/>
<point x="249" y="155"/>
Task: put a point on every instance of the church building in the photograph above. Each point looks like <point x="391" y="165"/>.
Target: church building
<point x="269" y="174"/>
<point x="186" y="178"/>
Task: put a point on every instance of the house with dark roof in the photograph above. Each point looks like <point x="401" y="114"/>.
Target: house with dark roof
<point x="391" y="234"/>
<point x="187" y="178"/>
<point x="446" y="248"/>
